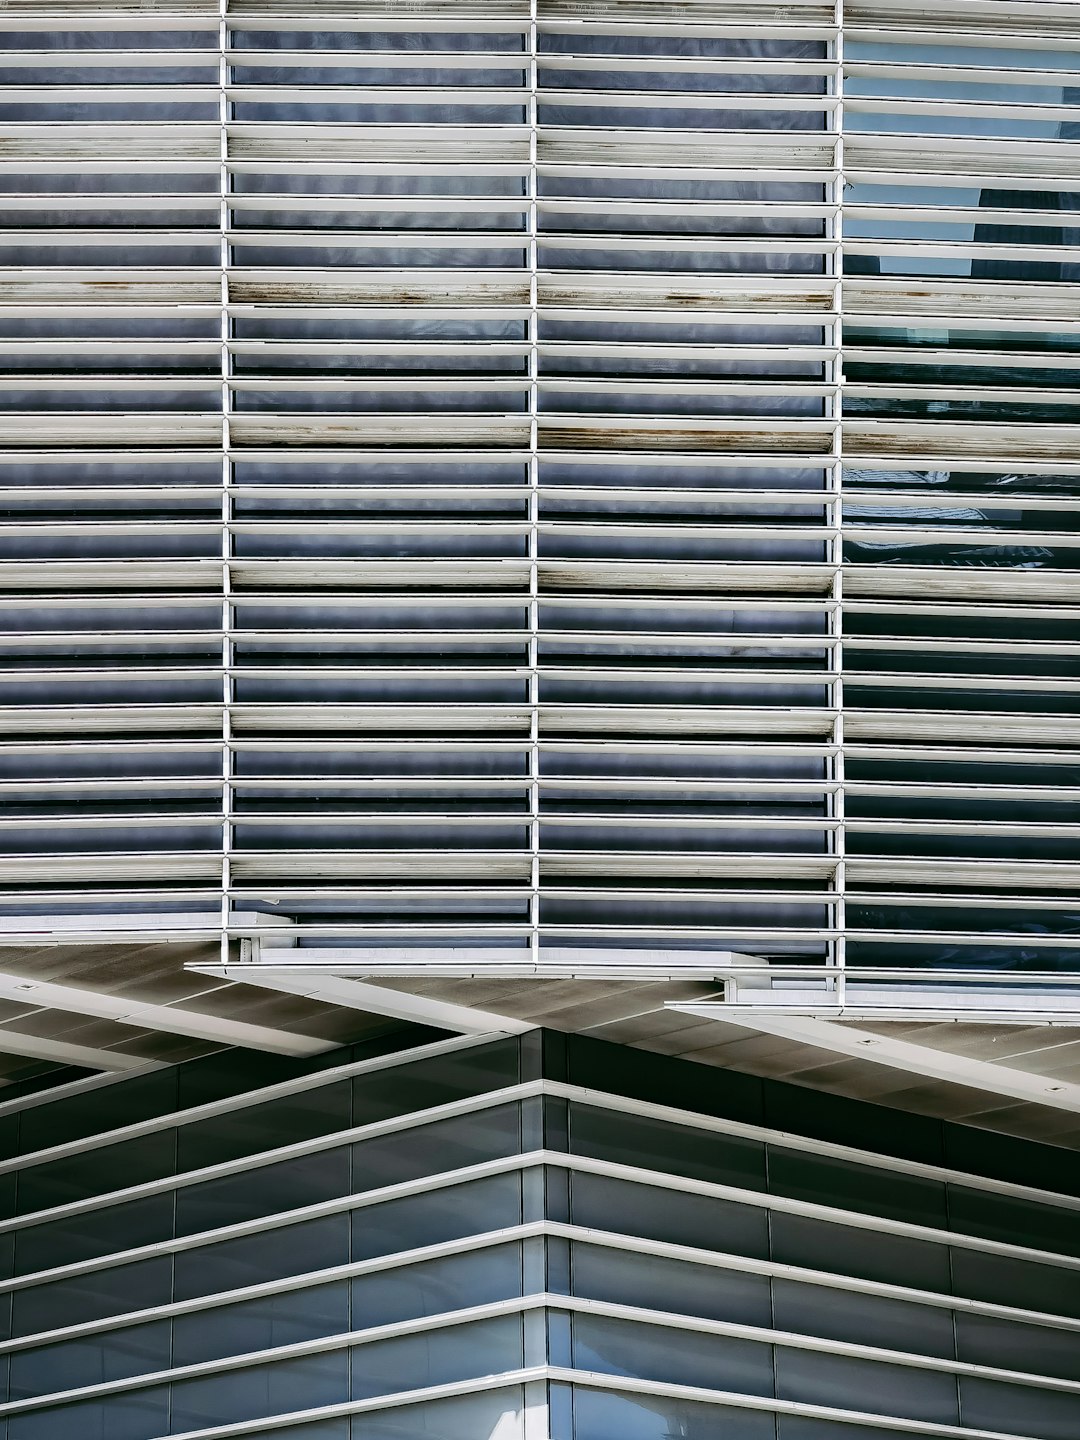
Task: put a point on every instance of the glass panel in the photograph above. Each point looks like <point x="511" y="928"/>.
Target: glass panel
<point x="818" y="1378"/>
<point x="434" y="1082"/>
<point x="599" y="1415"/>
<point x="1037" y="1349"/>
<point x="626" y="1278"/>
<point x="863" y="1319"/>
<point x="430" y="1149"/>
<point x="493" y="1415"/>
<point x="268" y="1190"/>
<point x="259" y="1390"/>
<point x="268" y="1255"/>
<point x="659" y="1145"/>
<point x="677" y="1357"/>
<point x="90" y="1297"/>
<point x="142" y="1415"/>
<point x="262" y="1324"/>
<point x="1016" y="1221"/>
<point x="650" y="1213"/>
<point x="1019" y="1409"/>
<point x="134" y="1350"/>
<point x="96" y="1172"/>
<point x="436" y="1357"/>
<point x="868" y="1254"/>
<point x="441" y="1214"/>
<point x="827" y="1181"/>
<point x="96" y="1232"/>
<point x="1021" y="1283"/>
<point x="452" y="1283"/>
<point x="265" y="1127"/>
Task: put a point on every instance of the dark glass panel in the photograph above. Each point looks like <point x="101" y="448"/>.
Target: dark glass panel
<point x="264" y="1324"/>
<point x="869" y="1254"/>
<point x="260" y="1390"/>
<point x="267" y="1255"/>
<point x="660" y="1145"/>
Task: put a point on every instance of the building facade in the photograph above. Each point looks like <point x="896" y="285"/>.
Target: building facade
<point x="539" y="538"/>
<point x="563" y="484"/>
<point x="526" y="1238"/>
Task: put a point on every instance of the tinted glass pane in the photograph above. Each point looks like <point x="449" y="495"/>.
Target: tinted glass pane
<point x="442" y="1214"/>
<point x="828" y="1181"/>
<point x="695" y="1220"/>
<point x="677" y="1357"/>
<point x="1037" y="1349"/>
<point x="260" y="1390"/>
<point x="863" y="1319"/>
<point x="268" y="1190"/>
<point x="135" y="1350"/>
<point x="96" y="1172"/>
<point x="269" y="1255"/>
<point x="675" y="1149"/>
<point x="494" y="1415"/>
<point x="426" y="1083"/>
<point x="1006" y="1281"/>
<point x="430" y="1149"/>
<point x="262" y="1324"/>
<point x="105" y="1107"/>
<point x="293" y="1118"/>
<point x="436" y="1357"/>
<point x="1016" y="1221"/>
<point x="97" y="1232"/>
<point x="868" y="1254"/>
<point x="90" y="1297"/>
<point x="660" y="1284"/>
<point x="142" y="1415"/>
<point x="452" y="1283"/>
<point x="599" y="1415"/>
<point x="1020" y="1410"/>
<point x="815" y="1377"/>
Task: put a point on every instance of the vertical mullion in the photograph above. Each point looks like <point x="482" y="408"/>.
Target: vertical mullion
<point x="837" y="620"/>
<point x="226" y="477"/>
<point x="534" y="505"/>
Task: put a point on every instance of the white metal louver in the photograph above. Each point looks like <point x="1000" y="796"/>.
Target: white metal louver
<point x="584" y="484"/>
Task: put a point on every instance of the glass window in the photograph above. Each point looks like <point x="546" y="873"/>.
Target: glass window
<point x="626" y="1278"/>
<point x="677" y="1357"/>
<point x="1007" y="1281"/>
<point x="261" y="1390"/>
<point x="142" y="1415"/>
<point x="113" y="1167"/>
<point x="431" y="1149"/>
<point x="818" y="1378"/>
<point x="1019" y="1409"/>
<point x="863" y="1319"/>
<point x="436" y="1357"/>
<point x="1038" y="1349"/>
<point x="868" y="1254"/>
<point x="93" y="1296"/>
<point x="95" y="1232"/>
<point x="133" y="1350"/>
<point x="437" y="1081"/>
<point x="451" y="1283"/>
<point x="286" y="1121"/>
<point x="654" y="1214"/>
<point x="105" y="1107"/>
<point x="580" y="1414"/>
<point x="492" y="1415"/>
<point x="659" y="1145"/>
<point x="442" y="1214"/>
<point x="262" y="1324"/>
<point x="1014" y="1220"/>
<point x="267" y="1190"/>
<point x="267" y="1255"/>
<point x="824" y="1180"/>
